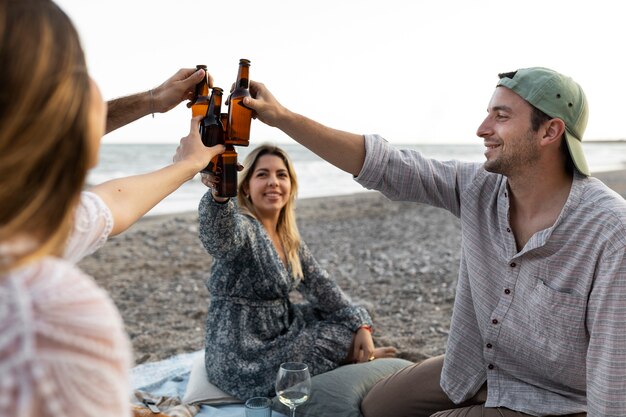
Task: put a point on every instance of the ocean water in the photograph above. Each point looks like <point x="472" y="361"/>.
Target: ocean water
<point x="316" y="177"/>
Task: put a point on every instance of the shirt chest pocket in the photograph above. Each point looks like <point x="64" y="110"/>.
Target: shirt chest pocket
<point x="557" y="315"/>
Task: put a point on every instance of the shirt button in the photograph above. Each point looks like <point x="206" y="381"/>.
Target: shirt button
<point x="508" y="229"/>
<point x="494" y="321"/>
<point x="512" y="264"/>
<point x="507" y="291"/>
<point x="489" y="345"/>
<point x="491" y="366"/>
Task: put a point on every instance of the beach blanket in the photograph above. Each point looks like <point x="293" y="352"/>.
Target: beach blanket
<point x="162" y="406"/>
<point x="169" y="378"/>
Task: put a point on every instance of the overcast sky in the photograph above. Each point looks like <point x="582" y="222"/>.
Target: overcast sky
<point x="413" y="71"/>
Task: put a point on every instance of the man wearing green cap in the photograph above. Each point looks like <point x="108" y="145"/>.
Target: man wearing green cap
<point x="539" y="321"/>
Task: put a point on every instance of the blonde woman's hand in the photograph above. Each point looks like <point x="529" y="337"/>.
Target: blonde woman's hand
<point x="363" y="346"/>
<point x="210" y="180"/>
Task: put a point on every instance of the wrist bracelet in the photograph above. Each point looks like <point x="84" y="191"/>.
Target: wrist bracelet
<point x="366" y="327"/>
<point x="151" y="103"/>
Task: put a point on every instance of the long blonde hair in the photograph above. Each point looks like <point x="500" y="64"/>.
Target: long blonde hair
<point x="44" y="151"/>
<point x="287" y="227"/>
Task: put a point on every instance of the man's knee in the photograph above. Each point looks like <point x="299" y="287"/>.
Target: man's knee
<point x="380" y="400"/>
<point x="412" y="391"/>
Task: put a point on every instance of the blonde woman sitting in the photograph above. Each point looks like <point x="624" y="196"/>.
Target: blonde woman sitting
<point x="258" y="259"/>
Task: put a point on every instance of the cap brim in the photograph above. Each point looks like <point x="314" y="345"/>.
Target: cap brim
<point x="576" y="151"/>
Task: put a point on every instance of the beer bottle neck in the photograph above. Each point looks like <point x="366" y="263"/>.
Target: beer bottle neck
<point x="202" y="88"/>
<point x="215" y="103"/>
<point x="215" y="106"/>
<point x="242" y="76"/>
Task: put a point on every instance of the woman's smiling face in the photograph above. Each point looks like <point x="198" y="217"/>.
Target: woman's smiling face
<point x="269" y="187"/>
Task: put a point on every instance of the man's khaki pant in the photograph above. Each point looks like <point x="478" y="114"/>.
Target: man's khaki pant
<point x="415" y="392"/>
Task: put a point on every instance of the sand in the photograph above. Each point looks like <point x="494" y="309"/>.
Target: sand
<point x="398" y="259"/>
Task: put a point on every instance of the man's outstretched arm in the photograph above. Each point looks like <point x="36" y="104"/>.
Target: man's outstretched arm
<point x="343" y="149"/>
<point x="161" y="99"/>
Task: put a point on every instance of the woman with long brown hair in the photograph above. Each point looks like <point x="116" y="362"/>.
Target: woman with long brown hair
<point x="63" y="349"/>
<point x="258" y="259"/>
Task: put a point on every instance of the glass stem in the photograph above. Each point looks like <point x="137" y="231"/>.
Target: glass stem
<point x="293" y="411"/>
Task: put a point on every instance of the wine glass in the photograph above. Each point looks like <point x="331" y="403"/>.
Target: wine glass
<point x="293" y="384"/>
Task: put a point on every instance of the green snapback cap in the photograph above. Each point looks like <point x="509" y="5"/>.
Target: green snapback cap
<point x="557" y="96"/>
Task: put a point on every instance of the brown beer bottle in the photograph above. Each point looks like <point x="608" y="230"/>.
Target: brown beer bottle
<point x="224" y="118"/>
<point x="227" y="169"/>
<point x="215" y="165"/>
<point x="211" y="129"/>
<point x="214" y="162"/>
<point x="200" y="101"/>
<point x="239" y="116"/>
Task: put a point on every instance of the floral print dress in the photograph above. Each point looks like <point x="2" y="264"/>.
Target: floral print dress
<point x="252" y="326"/>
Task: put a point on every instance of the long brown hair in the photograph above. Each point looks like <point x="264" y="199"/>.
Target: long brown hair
<point x="44" y="151"/>
<point x="287" y="227"/>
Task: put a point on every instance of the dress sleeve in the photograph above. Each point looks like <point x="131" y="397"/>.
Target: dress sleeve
<point x="326" y="296"/>
<point x="65" y="351"/>
<point x="93" y="223"/>
<point x="222" y="230"/>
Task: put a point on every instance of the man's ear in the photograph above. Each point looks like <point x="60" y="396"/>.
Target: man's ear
<point x="552" y="131"/>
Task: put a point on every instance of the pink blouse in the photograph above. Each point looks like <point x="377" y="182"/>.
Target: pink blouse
<point x="63" y="348"/>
